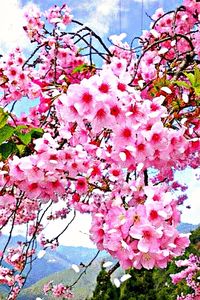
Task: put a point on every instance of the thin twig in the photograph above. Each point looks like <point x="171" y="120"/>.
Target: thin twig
<point x="85" y="269"/>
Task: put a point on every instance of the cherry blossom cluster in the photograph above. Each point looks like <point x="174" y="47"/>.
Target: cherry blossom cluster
<point x="18" y="76"/>
<point x="139" y="235"/>
<point x="111" y="137"/>
<point x="174" y="31"/>
<point x="16" y="257"/>
<point x="190" y="274"/>
<point x="8" y="278"/>
<point x="35" y="27"/>
<point x="58" y="290"/>
<point x="15" y="81"/>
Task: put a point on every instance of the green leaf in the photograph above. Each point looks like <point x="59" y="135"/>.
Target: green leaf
<point x="190" y="77"/>
<point x="182" y="84"/>
<point x="24" y="138"/>
<point x="36" y="132"/>
<point x="3" y="117"/>
<point x="79" y="69"/>
<point x="6" y="149"/>
<point x="5" y="133"/>
<point x="20" y="127"/>
<point x="21" y="149"/>
<point x="197" y="90"/>
<point x="197" y="77"/>
<point x="29" y="134"/>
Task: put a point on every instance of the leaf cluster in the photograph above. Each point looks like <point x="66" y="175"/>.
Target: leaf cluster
<point x="193" y="81"/>
<point x="15" y="140"/>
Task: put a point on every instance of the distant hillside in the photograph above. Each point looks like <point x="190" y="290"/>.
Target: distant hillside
<point x="82" y="289"/>
<point x="186" y="227"/>
<point x="61" y="259"/>
<point x="54" y="260"/>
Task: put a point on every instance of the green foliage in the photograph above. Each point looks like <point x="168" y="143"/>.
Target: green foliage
<point x="182" y="83"/>
<point x="6" y="132"/>
<point x="139" y="287"/>
<point x="80" y="69"/>
<point x="83" y="68"/>
<point x="149" y="285"/>
<point x="15" y="140"/>
<point x="104" y="290"/>
<point x="26" y="134"/>
<point x="3" y="117"/>
<point x="194" y="246"/>
<point x="24" y="138"/>
<point x="7" y="149"/>
<point x="194" y="81"/>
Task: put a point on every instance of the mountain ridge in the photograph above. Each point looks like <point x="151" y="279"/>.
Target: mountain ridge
<point x="61" y="260"/>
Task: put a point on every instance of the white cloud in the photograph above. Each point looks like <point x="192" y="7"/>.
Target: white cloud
<point x="76" y="235"/>
<point x="11" y="26"/>
<point x="189" y="176"/>
<point x="100" y="14"/>
<point x="192" y="215"/>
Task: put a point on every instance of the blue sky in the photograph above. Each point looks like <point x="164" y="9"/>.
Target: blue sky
<point x="107" y="17"/>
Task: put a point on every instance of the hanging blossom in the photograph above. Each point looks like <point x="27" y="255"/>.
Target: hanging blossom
<point x="190" y="274"/>
<point x="58" y="290"/>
